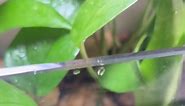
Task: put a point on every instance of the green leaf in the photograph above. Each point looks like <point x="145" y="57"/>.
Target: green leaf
<point x="40" y="45"/>
<point x="94" y="14"/>
<point x="124" y="77"/>
<point x="29" y="13"/>
<point x="160" y="92"/>
<point x="120" y="77"/>
<point x="169" y="29"/>
<point x="66" y="8"/>
<point x="11" y="96"/>
<point x="163" y="74"/>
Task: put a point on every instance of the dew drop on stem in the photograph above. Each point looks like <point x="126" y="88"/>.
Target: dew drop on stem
<point x="101" y="71"/>
<point x="76" y="72"/>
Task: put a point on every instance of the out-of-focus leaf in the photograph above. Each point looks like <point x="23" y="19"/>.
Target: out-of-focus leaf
<point x="94" y="14"/>
<point x="30" y="13"/>
<point x="120" y="77"/>
<point x="39" y="45"/>
<point x="169" y="29"/>
<point x="11" y="96"/>
<point x="67" y="8"/>
<point x="168" y="32"/>
<point x="160" y="92"/>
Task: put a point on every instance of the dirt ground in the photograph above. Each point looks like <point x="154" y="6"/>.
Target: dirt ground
<point x="87" y="96"/>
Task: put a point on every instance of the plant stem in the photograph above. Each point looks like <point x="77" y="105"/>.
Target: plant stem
<point x="103" y="47"/>
<point x="84" y="56"/>
<point x="146" y="22"/>
<point x="97" y="41"/>
<point x="116" y="43"/>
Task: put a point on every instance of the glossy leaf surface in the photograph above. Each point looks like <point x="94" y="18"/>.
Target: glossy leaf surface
<point x="39" y="45"/>
<point x="11" y="96"/>
<point x="94" y="14"/>
<point x="66" y="8"/>
<point x="29" y="13"/>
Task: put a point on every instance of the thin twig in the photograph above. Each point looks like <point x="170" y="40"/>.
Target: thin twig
<point x="84" y="56"/>
<point x="103" y="47"/>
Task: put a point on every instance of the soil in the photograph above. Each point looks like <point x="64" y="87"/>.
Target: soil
<point x="81" y="90"/>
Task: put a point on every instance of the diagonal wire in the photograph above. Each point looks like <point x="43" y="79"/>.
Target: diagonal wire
<point x="90" y="62"/>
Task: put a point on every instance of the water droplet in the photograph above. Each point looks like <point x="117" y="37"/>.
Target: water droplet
<point x="100" y="62"/>
<point x="76" y="72"/>
<point x="20" y="52"/>
<point x="101" y="71"/>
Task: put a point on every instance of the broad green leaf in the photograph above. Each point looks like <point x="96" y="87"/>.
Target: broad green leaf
<point x="11" y="96"/>
<point x="39" y="45"/>
<point x="168" y="32"/>
<point x="169" y="29"/>
<point x="123" y="77"/>
<point x="29" y="13"/>
<point x="120" y="77"/>
<point x="94" y="14"/>
<point x="66" y="8"/>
